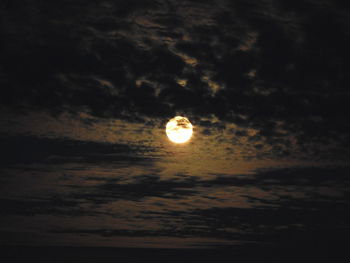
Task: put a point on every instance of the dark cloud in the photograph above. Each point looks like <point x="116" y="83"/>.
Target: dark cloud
<point x="286" y="226"/>
<point x="282" y="207"/>
<point x="41" y="206"/>
<point x="285" y="219"/>
<point x="291" y="180"/>
<point x="299" y="176"/>
<point x="142" y="187"/>
<point x="17" y="150"/>
<point x="296" y="49"/>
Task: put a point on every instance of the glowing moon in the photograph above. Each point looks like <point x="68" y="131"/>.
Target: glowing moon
<point x="179" y="129"/>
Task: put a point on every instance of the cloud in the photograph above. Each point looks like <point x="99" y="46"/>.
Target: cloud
<point x="41" y="206"/>
<point x="294" y="176"/>
<point x="285" y="227"/>
<point x="30" y="150"/>
<point x="140" y="188"/>
<point x="270" y="63"/>
<point x="269" y="207"/>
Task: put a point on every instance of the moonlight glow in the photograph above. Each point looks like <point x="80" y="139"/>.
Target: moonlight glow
<point x="179" y="129"/>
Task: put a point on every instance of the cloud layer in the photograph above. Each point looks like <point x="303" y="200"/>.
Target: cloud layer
<point x="98" y="195"/>
<point x="262" y="64"/>
<point x="87" y="87"/>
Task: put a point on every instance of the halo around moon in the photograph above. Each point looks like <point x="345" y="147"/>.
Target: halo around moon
<point x="179" y="129"/>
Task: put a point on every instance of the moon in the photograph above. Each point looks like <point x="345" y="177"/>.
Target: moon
<point x="179" y="129"/>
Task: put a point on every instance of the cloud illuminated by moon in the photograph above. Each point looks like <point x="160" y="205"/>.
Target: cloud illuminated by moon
<point x="179" y="129"/>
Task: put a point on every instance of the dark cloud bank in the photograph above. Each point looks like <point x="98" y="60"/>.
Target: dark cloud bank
<point x="294" y="212"/>
<point x="303" y="213"/>
<point x="274" y="60"/>
<point x="285" y="228"/>
<point x="25" y="150"/>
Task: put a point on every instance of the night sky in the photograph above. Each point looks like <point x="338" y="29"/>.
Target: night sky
<point x="87" y="87"/>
